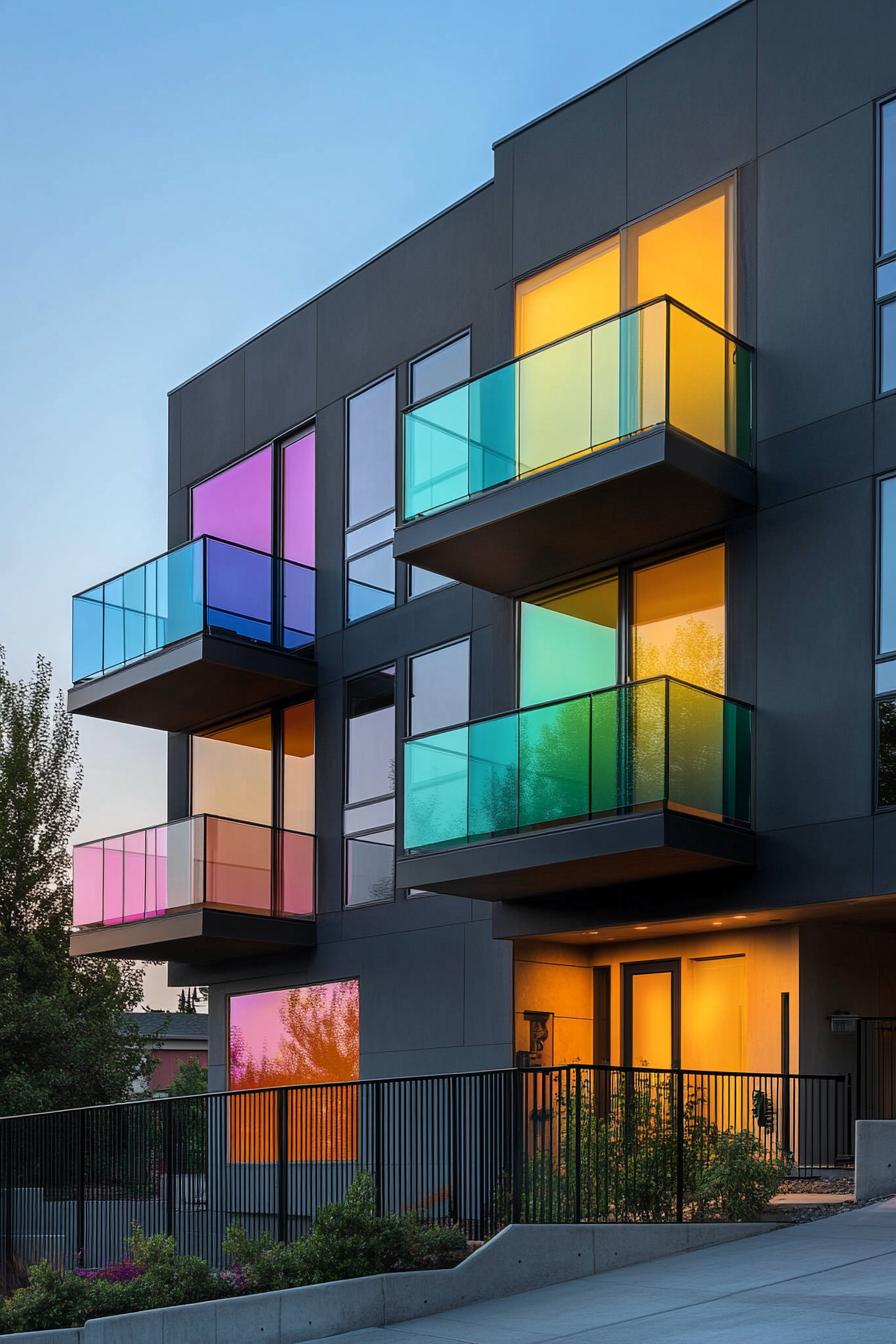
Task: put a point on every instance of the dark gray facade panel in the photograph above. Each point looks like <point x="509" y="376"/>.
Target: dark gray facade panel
<point x="179" y="519"/>
<point x="212" y="412"/>
<point x="438" y="282"/>
<point x="819" y="59"/>
<point x="488" y="987"/>
<point x="810" y="865"/>
<point x="819" y="456"/>
<point x="692" y="112"/>
<point x="568" y="178"/>
<point x="281" y="377"/>
<point x="741" y="612"/>
<point x="816" y="590"/>
<point x="330" y="520"/>
<point x="885" y="434"/>
<point x="173" y="444"/>
<point x="885" y="853"/>
<point x="816" y="200"/>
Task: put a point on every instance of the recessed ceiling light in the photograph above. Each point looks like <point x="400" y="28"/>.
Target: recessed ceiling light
<point x="716" y="923"/>
<point x="641" y="926"/>
<point x="740" y="916"/>
<point x="594" y="932"/>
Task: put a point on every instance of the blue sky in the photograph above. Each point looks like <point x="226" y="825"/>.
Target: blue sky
<point x="176" y="174"/>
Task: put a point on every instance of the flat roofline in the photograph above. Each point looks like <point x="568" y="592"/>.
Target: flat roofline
<point x="328" y="289"/>
<point x="624" y="70"/>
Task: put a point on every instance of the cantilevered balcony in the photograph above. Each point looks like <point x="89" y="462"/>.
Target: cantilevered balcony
<point x="199" y="889"/>
<point x="640" y="781"/>
<point x="208" y="630"/>
<point x="623" y="436"/>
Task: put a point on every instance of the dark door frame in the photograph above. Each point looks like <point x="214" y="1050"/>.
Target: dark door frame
<point x="666" y="965"/>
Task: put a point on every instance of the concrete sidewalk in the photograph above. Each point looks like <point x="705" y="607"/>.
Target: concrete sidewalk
<point x="829" y="1282"/>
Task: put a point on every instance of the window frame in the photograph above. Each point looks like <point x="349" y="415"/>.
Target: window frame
<point x="348" y="528"/>
<point x="881" y="258"/>
<point x="423" y="653"/>
<point x="364" y="802"/>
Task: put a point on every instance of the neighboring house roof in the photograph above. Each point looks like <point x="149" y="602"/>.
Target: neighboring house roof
<point x="177" y="1029"/>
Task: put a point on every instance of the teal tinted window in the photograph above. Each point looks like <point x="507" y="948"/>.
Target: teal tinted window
<point x="568" y="642"/>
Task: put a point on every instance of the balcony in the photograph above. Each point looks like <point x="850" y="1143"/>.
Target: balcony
<point x="200" y="889"/>
<point x="209" y="630"/>
<point x="624" y="436"/>
<point x="644" y="780"/>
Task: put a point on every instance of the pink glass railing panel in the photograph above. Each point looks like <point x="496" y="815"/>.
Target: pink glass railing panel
<point x="238" y="865"/>
<point x="135" y="876"/>
<point x="87" y="884"/>
<point x="297" y="874"/>
<point x="113" y="880"/>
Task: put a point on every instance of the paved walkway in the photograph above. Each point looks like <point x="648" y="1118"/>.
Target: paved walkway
<point x="829" y="1282"/>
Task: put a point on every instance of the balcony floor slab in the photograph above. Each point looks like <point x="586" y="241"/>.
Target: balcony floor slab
<point x="196" y="934"/>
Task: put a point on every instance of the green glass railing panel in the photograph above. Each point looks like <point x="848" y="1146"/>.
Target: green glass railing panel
<point x="494" y="776"/>
<point x="654" y="364"/>
<point x="436" y="789"/>
<point x="609" y="772"/>
<point x="554" y="764"/>
<point x="555" y="404"/>
<point x="493" y="429"/>
<point x="646" y="749"/>
<point x="437" y="453"/>
<point x="709" y="754"/>
<point x="738" y="759"/>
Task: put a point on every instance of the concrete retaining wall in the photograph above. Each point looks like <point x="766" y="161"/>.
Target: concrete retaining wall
<point x="519" y="1258"/>
<point x="875" y="1158"/>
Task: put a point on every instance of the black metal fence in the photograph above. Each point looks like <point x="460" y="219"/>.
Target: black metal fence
<point x="876" y="1068"/>
<point x="576" y="1143"/>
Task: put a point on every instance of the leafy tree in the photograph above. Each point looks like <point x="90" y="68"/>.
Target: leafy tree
<point x="64" y="1037"/>
<point x="190" y="1080"/>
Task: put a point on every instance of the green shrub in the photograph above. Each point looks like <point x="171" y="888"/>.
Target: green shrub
<point x="347" y="1241"/>
<point x="738" y="1179"/>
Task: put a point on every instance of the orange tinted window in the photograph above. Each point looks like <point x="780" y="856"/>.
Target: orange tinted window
<point x="575" y="293"/>
<point x="232" y="771"/>
<point x="678" y="627"/>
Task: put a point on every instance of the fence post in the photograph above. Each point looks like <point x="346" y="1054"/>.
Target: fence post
<point x="81" y="1178"/>
<point x="679" y="1149"/>
<point x="516" y="1143"/>
<point x="169" y="1167"/>
<point x="379" y="1140"/>
<point x="578" y="1194"/>
<point x="282" y="1164"/>
<point x="6" y="1260"/>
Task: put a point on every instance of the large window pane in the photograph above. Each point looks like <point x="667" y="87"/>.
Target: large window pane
<point x="440" y="688"/>
<point x="678" y="626"/>
<point x="298" y="500"/>
<point x="574" y="294"/>
<point x="888" y="178"/>
<point x="886" y="753"/>
<point x="371" y="451"/>
<point x="370" y="868"/>
<point x="371" y="736"/>
<point x="887" y="346"/>
<point x="887" y="595"/>
<point x="443" y="368"/>
<point x="371" y="583"/>
<point x="568" y="642"/>
<point x="298" y="767"/>
<point x="309" y="1034"/>
<point x="235" y="505"/>
<point x="685" y="252"/>
<point x="232" y="771"/>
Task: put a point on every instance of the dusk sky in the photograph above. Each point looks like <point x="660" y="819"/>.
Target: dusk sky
<point x="175" y="176"/>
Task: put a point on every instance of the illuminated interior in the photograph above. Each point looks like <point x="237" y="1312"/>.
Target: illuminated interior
<point x="574" y="294"/>
<point x="678" y="619"/>
<point x="718" y="1009"/>
<point x="231" y="771"/>
<point x="568" y="642"/>
<point x="295" y="1037"/>
<point x="298" y="767"/>
<point x="650" y="1007"/>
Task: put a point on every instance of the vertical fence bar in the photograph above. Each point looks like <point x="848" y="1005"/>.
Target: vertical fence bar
<point x="80" y="1175"/>
<point x="168" y="1115"/>
<point x="282" y="1164"/>
<point x="679" y="1147"/>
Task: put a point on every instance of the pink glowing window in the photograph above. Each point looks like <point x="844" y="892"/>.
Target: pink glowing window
<point x="298" y="500"/>
<point x="235" y="505"/>
<point x="305" y="1035"/>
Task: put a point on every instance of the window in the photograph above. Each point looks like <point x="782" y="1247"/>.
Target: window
<point x="572" y="640"/>
<point x="370" y="499"/>
<point x="886" y="753"/>
<point x="439" y="688"/>
<point x="885" y="669"/>
<point x="885" y="279"/>
<point x="232" y="771"/>
<point x="291" y="1037"/>
<point x="678" y="620"/>
<point x="298" y="767"/>
<point x="369" y="817"/>
<point x="297" y="524"/>
<point x="429" y="375"/>
<point x="685" y="251"/>
<point x="568" y="641"/>
<point x="236" y="504"/>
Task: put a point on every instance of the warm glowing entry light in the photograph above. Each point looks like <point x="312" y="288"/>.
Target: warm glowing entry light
<point x="641" y="926"/>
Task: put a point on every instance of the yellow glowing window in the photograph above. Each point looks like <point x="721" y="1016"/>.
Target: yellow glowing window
<point x="574" y="294"/>
<point x="298" y="767"/>
<point x="715" y="1013"/>
<point x="568" y="642"/>
<point x="678" y="626"/>
<point x="685" y="252"/>
<point x="652" y="1027"/>
<point x="232" y="771"/>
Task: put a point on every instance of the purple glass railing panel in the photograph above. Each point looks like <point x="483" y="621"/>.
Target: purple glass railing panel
<point x="113" y="880"/>
<point x="87" y="884"/>
<point x="238" y="587"/>
<point x="298" y="500"/>
<point x="236" y="504"/>
<point x="298" y="605"/>
<point x="135" y="876"/>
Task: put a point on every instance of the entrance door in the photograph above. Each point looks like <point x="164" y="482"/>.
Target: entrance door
<point x="651" y="1014"/>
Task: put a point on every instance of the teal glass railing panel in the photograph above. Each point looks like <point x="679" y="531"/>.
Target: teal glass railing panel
<point x="659" y="363"/>
<point x="647" y="745"/>
<point x="205" y="585"/>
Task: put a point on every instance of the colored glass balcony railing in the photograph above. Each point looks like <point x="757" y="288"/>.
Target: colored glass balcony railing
<point x="657" y="364"/>
<point x="639" y="747"/>
<point x="206" y="585"/>
<point x="201" y="860"/>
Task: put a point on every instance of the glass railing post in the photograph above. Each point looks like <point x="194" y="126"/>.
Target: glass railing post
<point x="667" y="698"/>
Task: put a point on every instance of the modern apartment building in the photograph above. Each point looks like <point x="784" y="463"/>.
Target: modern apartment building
<point x="527" y="638"/>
